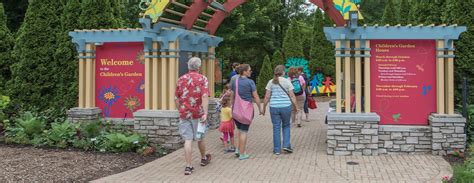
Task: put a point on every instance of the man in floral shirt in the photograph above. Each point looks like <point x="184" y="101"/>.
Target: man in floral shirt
<point x="192" y="99"/>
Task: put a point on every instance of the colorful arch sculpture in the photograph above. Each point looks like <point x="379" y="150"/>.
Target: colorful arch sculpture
<point x="157" y="8"/>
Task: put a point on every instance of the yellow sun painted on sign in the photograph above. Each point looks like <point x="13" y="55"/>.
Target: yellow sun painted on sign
<point x="346" y="6"/>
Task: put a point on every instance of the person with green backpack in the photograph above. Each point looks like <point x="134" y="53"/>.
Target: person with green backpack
<point x="299" y="85"/>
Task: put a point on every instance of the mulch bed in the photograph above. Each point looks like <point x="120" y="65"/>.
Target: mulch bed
<point x="454" y="160"/>
<point x="29" y="164"/>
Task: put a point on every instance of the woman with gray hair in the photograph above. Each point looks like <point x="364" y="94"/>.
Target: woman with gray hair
<point x="279" y="92"/>
<point x="192" y="99"/>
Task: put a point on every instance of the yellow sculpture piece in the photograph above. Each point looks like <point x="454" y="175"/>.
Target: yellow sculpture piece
<point x="155" y="9"/>
<point x="345" y="6"/>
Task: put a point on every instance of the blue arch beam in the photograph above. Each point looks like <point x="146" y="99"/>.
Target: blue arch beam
<point x="447" y="33"/>
<point x="163" y="33"/>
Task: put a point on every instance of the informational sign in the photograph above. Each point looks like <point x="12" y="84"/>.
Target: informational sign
<point x="120" y="74"/>
<point x="403" y="81"/>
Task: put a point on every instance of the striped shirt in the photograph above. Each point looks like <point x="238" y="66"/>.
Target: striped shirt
<point x="279" y="98"/>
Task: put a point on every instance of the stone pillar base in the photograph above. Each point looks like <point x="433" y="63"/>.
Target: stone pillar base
<point x="404" y="139"/>
<point x="352" y="134"/>
<point x="448" y="133"/>
<point x="159" y="126"/>
<point x="76" y="115"/>
<point x="213" y="117"/>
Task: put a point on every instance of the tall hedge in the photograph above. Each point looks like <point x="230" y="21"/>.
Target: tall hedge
<point x="322" y="51"/>
<point x="389" y="16"/>
<point x="293" y="41"/>
<point x="32" y="85"/>
<point x="277" y="59"/>
<point x="266" y="73"/>
<point x="462" y="13"/>
<point x="99" y="15"/>
<point x="404" y="12"/>
<point x="6" y="46"/>
<point x="65" y="58"/>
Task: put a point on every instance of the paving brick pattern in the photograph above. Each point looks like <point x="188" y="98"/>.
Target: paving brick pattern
<point x="309" y="162"/>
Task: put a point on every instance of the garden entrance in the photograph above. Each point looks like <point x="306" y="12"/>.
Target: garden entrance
<point x="389" y="77"/>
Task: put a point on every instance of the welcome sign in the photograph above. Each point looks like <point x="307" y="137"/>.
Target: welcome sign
<point x="403" y="76"/>
<point x="120" y="84"/>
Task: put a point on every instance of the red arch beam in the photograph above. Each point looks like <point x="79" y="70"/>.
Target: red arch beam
<point x="192" y="14"/>
<point x="219" y="16"/>
<point x="328" y="7"/>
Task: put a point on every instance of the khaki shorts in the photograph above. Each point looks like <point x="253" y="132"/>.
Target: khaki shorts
<point x="187" y="128"/>
<point x="300" y="101"/>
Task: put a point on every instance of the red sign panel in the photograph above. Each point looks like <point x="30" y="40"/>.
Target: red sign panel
<point x="120" y="74"/>
<point x="403" y="81"/>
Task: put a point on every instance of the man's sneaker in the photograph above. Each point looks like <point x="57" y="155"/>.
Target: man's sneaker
<point x="244" y="156"/>
<point x="276" y="153"/>
<point x="237" y="153"/>
<point x="206" y="161"/>
<point x="188" y="170"/>
<point x="288" y="150"/>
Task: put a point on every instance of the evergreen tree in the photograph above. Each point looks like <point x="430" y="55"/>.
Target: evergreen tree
<point x="425" y="12"/>
<point x="322" y="51"/>
<point x="117" y="11"/>
<point x="389" y="16"/>
<point x="131" y="14"/>
<point x="430" y="12"/>
<point x="6" y="46"/>
<point x="327" y="21"/>
<point x="266" y="73"/>
<point x="292" y="44"/>
<point x="65" y="57"/>
<point x="404" y="12"/>
<point x="98" y="15"/>
<point x="414" y="11"/>
<point x="32" y="85"/>
<point x="277" y="59"/>
<point x="462" y="13"/>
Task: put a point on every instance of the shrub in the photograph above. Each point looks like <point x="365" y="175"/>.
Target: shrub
<point x="25" y="129"/>
<point x="89" y="130"/>
<point x="465" y="173"/>
<point x="30" y="129"/>
<point x="119" y="142"/>
<point x="61" y="135"/>
<point x="470" y="123"/>
<point x="4" y="101"/>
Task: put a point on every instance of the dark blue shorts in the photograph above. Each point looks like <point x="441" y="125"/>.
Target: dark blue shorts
<point x="241" y="127"/>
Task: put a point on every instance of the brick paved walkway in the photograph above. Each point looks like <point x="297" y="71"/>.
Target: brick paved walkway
<point x="309" y="162"/>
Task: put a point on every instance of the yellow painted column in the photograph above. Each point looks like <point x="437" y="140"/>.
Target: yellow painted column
<point x="162" y="77"/>
<point x="358" y="79"/>
<point x="148" y="80"/>
<point x="155" y="77"/>
<point x="347" y="77"/>
<point x="173" y="70"/>
<point x="211" y="71"/>
<point x="89" y="76"/>
<point x="338" y="78"/>
<point x="93" y="78"/>
<point x="450" y="82"/>
<point x="204" y="66"/>
<point x="82" y="81"/>
<point x="440" y="79"/>
<point x="367" y="79"/>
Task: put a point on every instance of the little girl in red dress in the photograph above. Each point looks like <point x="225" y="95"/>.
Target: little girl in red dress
<point x="227" y="125"/>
